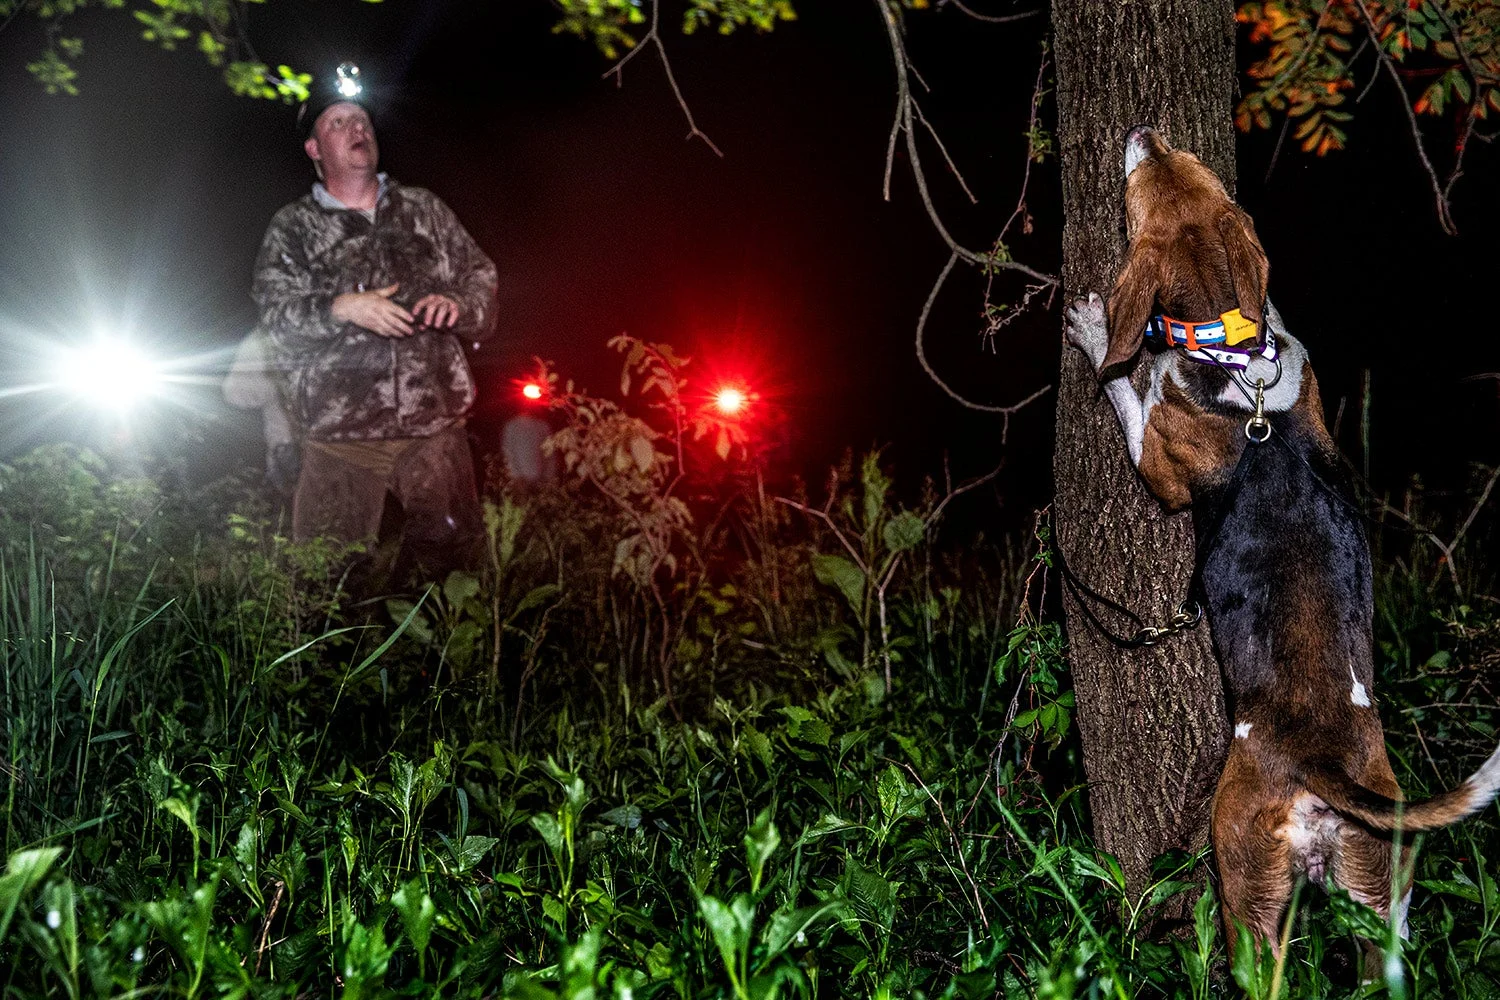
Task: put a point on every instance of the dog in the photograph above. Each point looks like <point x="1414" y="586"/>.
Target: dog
<point x="1231" y="426"/>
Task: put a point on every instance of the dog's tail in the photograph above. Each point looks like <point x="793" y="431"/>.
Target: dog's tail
<point x="1333" y="786"/>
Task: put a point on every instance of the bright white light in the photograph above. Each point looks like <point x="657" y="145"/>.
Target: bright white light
<point x="110" y="374"/>
<point x="531" y="390"/>
<point x="348" y="80"/>
<point x="730" y="401"/>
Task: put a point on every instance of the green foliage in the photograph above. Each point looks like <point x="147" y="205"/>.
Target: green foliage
<point x="1311" y="44"/>
<point x="224" y="777"/>
<point x="214" y="28"/>
<point x="617" y="25"/>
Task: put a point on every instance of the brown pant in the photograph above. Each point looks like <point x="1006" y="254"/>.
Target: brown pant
<point x="342" y="488"/>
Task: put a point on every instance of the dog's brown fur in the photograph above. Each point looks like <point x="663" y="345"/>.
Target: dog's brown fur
<point x="1308" y="788"/>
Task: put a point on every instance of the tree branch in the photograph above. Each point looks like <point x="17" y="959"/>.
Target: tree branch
<point x="1007" y="411"/>
<point x="904" y="123"/>
<point x="653" y="37"/>
<point x="1444" y="214"/>
<point x="988" y="18"/>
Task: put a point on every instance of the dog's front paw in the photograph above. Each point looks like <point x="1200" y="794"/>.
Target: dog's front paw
<point x="1088" y="329"/>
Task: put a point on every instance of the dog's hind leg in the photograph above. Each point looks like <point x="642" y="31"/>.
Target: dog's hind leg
<point x="1362" y="866"/>
<point x="1252" y="854"/>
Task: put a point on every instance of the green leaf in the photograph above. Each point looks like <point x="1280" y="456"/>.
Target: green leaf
<point x="839" y="572"/>
<point x="730" y="926"/>
<point x="899" y="799"/>
<point x="760" y="842"/>
<point x="828" y="824"/>
<point x="627" y="816"/>
<point x="553" y="910"/>
<point x="642" y="453"/>
<point x="379" y="651"/>
<point x="460" y="587"/>
<point x="119" y="646"/>
<point x="1082" y="864"/>
<point x="1163" y="891"/>
<point x="757" y="743"/>
<point x="417" y="914"/>
<point x="904" y="531"/>
<point x="804" y="726"/>
<point x="23" y="870"/>
<point x="470" y="851"/>
<point x="872" y="897"/>
<point x="537" y="596"/>
<point x="551" y="831"/>
<point x="1463" y="890"/>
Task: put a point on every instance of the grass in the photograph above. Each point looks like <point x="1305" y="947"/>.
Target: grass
<point x="827" y="751"/>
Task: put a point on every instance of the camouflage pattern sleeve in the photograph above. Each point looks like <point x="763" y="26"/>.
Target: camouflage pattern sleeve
<point x="294" y="300"/>
<point x="472" y="273"/>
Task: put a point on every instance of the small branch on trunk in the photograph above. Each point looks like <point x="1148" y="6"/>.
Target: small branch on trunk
<point x="1006" y="411"/>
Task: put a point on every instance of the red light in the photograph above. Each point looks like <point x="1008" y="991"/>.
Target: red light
<point x="731" y="402"/>
<point x="531" y="390"/>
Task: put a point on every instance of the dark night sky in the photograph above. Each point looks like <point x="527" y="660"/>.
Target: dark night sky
<point x="144" y="200"/>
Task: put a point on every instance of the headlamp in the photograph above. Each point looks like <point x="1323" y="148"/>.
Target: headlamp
<point x="344" y="84"/>
<point x="347" y="81"/>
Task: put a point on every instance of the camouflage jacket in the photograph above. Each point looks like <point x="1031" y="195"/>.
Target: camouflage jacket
<point x="347" y="383"/>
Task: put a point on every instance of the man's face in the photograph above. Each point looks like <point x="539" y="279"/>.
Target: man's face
<point x="343" y="140"/>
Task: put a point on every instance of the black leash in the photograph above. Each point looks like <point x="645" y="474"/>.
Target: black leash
<point x="1190" y="612"/>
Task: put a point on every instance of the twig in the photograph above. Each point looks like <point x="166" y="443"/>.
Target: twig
<point x="995" y="322"/>
<point x="265" y="927"/>
<point x="989" y="18"/>
<point x="1284" y="75"/>
<point x="1422" y="741"/>
<point x="993" y="764"/>
<point x="823" y="516"/>
<point x="653" y="37"/>
<point x="1431" y="536"/>
<point x="957" y="175"/>
<point x="885" y="632"/>
<point x="907" y="112"/>
<point x="1007" y="411"/>
<point x="953" y="836"/>
<point x="1475" y="105"/>
<point x="961" y="490"/>
<point x="1038" y="91"/>
<point x="1484" y="496"/>
<point x="904" y="123"/>
<point x="1445" y="218"/>
<point x="1374" y="75"/>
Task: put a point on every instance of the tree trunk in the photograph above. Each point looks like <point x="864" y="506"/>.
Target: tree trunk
<point x="1152" y="720"/>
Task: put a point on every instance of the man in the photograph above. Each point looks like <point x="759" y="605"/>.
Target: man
<point x="368" y="288"/>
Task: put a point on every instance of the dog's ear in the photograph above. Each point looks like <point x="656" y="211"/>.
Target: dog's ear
<point x="1248" y="267"/>
<point x="1131" y="302"/>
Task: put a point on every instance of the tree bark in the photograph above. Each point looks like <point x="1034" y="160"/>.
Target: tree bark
<point x="1152" y="721"/>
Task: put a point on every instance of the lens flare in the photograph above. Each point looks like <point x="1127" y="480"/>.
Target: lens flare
<point x="730" y="401"/>
<point x="110" y="374"/>
<point x="531" y="391"/>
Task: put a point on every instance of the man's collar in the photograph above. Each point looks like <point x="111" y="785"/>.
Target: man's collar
<point x="325" y="198"/>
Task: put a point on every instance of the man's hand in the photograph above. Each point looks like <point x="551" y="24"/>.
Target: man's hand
<point x="374" y="311"/>
<point x="436" y="310"/>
